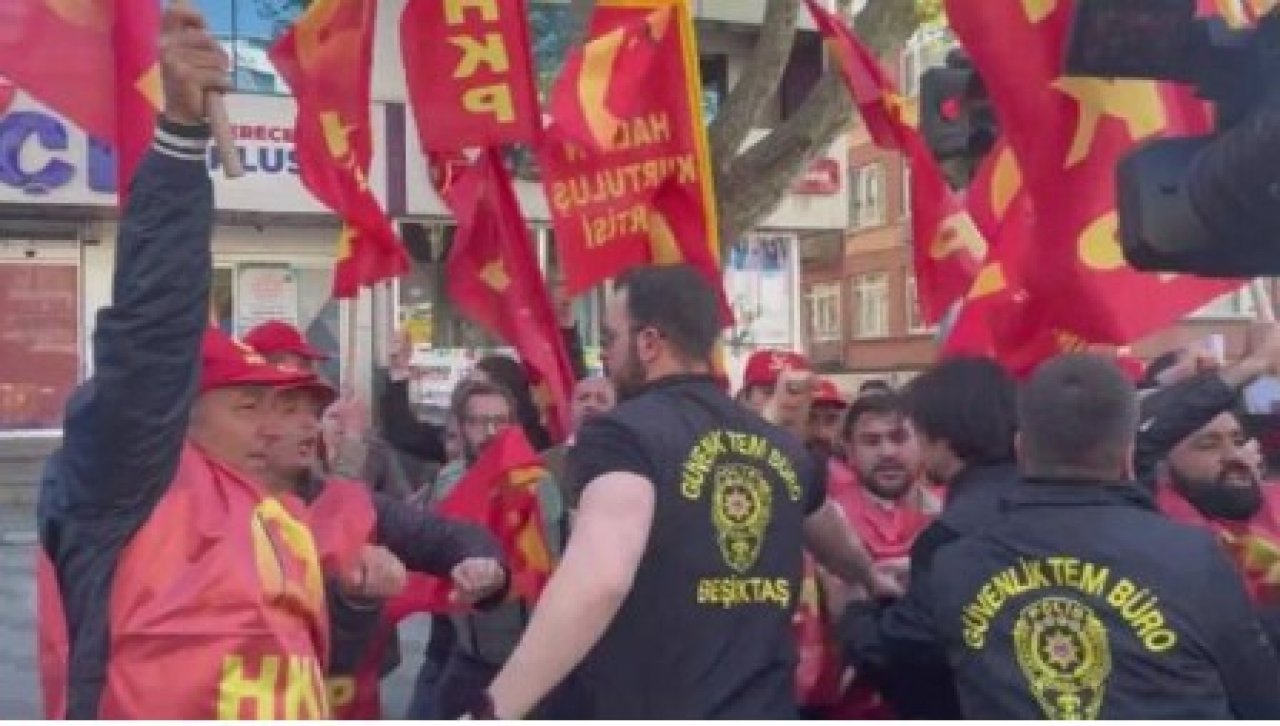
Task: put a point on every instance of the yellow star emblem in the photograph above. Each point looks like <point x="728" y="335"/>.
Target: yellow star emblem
<point x="988" y="281"/>
<point x="958" y="235"/>
<point x="1137" y="103"/>
<point x="495" y="276"/>
<point x="148" y="84"/>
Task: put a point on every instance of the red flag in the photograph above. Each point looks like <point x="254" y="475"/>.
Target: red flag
<point x="326" y="58"/>
<point x="605" y="71"/>
<point x="1068" y="134"/>
<point x="498" y="492"/>
<point x="642" y="112"/>
<point x="469" y="71"/>
<point x="495" y="280"/>
<point x="92" y="62"/>
<point x="948" y="248"/>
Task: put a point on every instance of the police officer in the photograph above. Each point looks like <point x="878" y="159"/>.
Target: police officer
<point x="677" y="588"/>
<point x="1083" y="602"/>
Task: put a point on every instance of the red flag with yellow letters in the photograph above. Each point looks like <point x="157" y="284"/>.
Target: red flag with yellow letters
<point x="1067" y="135"/>
<point x="494" y="279"/>
<point x="500" y="493"/>
<point x="948" y="247"/>
<point x="326" y="58"/>
<point x="91" y="61"/>
<point x="626" y="124"/>
<point x="469" y="71"/>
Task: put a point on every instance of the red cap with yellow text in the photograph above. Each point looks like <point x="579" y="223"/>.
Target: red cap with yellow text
<point x="275" y="336"/>
<point x="765" y="366"/>
<point x="226" y="362"/>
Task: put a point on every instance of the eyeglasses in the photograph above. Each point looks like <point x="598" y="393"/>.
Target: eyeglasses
<point x="487" y="422"/>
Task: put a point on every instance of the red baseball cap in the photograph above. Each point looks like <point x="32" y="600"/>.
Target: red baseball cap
<point x="226" y="362"/>
<point x="764" y="366"/>
<point x="826" y="393"/>
<point x="276" y="336"/>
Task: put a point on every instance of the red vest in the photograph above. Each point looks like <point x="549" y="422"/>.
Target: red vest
<point x="217" y="607"/>
<point x="1254" y="545"/>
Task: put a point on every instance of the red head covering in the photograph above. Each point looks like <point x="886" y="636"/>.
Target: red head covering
<point x="764" y="366"/>
<point x="826" y="394"/>
<point x="226" y="362"/>
<point x="275" y="336"/>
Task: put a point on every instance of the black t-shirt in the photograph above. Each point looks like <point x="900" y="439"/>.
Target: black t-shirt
<point x="706" y="629"/>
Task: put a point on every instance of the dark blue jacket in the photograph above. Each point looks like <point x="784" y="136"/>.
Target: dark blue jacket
<point x="124" y="428"/>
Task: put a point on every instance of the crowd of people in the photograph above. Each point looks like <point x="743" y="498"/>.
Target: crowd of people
<point x="221" y="529"/>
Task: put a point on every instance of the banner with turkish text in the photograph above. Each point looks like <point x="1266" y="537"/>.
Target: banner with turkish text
<point x="469" y="71"/>
<point x="638" y="98"/>
<point x="92" y="62"/>
<point x="327" y="60"/>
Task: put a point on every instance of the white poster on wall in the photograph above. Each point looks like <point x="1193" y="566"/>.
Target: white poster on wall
<point x="759" y="279"/>
<point x="265" y="292"/>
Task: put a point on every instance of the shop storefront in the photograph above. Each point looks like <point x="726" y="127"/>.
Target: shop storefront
<point x="273" y="253"/>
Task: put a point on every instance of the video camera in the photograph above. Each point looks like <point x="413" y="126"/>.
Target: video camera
<point x="1206" y="205"/>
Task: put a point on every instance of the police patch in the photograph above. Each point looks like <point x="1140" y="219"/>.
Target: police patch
<point x="741" y="507"/>
<point x="1063" y="650"/>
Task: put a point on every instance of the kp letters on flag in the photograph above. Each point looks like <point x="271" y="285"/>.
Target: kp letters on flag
<point x="92" y="62"/>
<point x="641" y="85"/>
<point x="326" y="58"/>
<point x="469" y="71"/>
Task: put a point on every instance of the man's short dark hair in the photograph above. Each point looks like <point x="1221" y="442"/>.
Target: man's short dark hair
<point x="472" y="388"/>
<point x="679" y="302"/>
<point x="968" y="402"/>
<point x="871" y="404"/>
<point x="1078" y="416"/>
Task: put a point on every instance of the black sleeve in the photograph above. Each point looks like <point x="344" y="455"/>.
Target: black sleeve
<point x="577" y="357"/>
<point x="896" y="645"/>
<point x="604" y="446"/>
<point x="1171" y="414"/>
<point x="427" y="542"/>
<point x="124" y="428"/>
<point x="1246" y="660"/>
<point x="402" y="429"/>
<point x="815" y="480"/>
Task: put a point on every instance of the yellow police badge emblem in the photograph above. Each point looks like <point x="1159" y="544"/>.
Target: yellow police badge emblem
<point x="741" y="506"/>
<point x="1062" y="648"/>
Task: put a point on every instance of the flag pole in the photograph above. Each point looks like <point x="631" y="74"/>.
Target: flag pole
<point x="219" y="122"/>
<point x="349" y="348"/>
<point x="1262" y="301"/>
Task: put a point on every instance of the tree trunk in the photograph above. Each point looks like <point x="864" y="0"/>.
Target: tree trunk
<point x="760" y="77"/>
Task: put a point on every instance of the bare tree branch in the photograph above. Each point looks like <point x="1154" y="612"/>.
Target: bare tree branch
<point x="760" y="77"/>
<point x="756" y="181"/>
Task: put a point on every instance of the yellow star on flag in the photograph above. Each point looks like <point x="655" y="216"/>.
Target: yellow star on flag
<point x="148" y="84"/>
<point x="1137" y="103"/>
<point x="958" y="235"/>
<point x="495" y="276"/>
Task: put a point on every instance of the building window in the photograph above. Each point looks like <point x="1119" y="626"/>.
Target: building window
<point x="39" y="333"/>
<point x="1238" y="304"/>
<point x="871" y="301"/>
<point x="246" y="29"/>
<point x="915" y="316"/>
<point x="866" y="196"/>
<point x="824" y="312"/>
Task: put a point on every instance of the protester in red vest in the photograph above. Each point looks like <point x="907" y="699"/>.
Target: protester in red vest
<point x="346" y="516"/>
<point x="889" y="506"/>
<point x="173" y="585"/>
